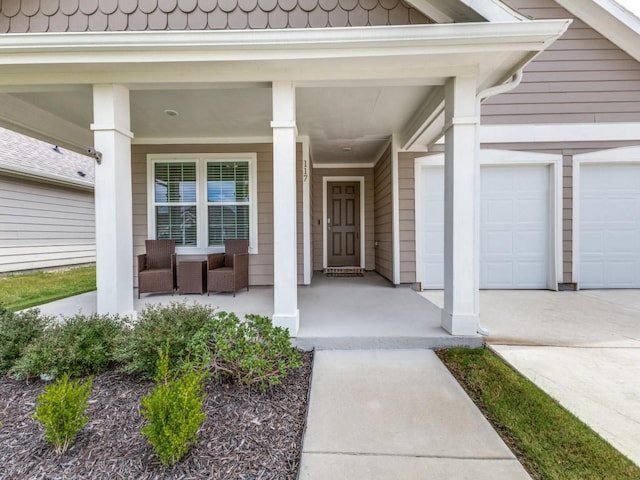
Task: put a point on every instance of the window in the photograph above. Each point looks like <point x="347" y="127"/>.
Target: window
<point x="199" y="201"/>
<point x="227" y="201"/>
<point x="175" y="202"/>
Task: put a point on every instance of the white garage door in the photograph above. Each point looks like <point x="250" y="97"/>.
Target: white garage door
<point x="514" y="223"/>
<point x="609" y="246"/>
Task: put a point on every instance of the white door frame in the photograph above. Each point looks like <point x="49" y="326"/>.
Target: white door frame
<point x="325" y="181"/>
<point x="507" y="157"/>
<point x="612" y="156"/>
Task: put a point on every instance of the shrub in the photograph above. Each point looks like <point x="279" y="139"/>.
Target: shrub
<point x="61" y="410"/>
<point x="173" y="410"/>
<point x="176" y="324"/>
<point x="17" y="330"/>
<point x="251" y="351"/>
<point x="80" y="345"/>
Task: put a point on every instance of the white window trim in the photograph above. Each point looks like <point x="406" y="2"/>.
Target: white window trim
<point x="612" y="156"/>
<point x="491" y="157"/>
<point x="201" y="196"/>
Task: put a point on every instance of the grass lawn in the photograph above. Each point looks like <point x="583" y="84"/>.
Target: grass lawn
<point x="550" y="442"/>
<point x="30" y="289"/>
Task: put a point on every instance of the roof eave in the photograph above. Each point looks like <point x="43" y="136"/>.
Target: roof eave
<point x="46" y="178"/>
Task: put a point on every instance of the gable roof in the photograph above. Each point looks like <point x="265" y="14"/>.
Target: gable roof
<point x="30" y="158"/>
<point x="609" y="19"/>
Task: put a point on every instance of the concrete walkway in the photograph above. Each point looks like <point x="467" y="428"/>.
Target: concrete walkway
<point x="582" y="348"/>
<point x="397" y="414"/>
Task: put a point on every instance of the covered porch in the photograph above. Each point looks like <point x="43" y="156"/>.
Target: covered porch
<point x="336" y="313"/>
<point x="288" y="102"/>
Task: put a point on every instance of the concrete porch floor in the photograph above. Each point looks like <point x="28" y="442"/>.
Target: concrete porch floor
<point x="335" y="313"/>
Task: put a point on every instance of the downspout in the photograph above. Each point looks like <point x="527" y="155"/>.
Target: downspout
<point x="502" y="88"/>
<point x="483" y="95"/>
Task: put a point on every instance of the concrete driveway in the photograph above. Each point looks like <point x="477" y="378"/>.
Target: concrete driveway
<point x="582" y="348"/>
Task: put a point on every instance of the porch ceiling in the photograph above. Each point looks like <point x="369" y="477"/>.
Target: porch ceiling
<point x="345" y="124"/>
<point x="356" y="86"/>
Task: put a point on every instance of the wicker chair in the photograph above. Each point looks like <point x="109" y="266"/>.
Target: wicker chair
<point x="157" y="267"/>
<point x="229" y="271"/>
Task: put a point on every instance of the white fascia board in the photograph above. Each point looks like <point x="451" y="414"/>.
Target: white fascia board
<point x="150" y="47"/>
<point x="48" y="178"/>
<point x="576" y="132"/>
<point x="609" y="19"/>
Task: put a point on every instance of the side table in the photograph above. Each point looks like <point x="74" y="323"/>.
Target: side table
<point x="192" y="277"/>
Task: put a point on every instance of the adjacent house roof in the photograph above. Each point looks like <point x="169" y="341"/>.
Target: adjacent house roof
<point x="27" y="157"/>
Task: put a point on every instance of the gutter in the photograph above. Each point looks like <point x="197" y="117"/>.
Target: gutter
<point x="47" y="177"/>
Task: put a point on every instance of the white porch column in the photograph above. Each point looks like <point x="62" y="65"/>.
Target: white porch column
<point x="113" y="199"/>
<point x="285" y="260"/>
<point x="461" y="310"/>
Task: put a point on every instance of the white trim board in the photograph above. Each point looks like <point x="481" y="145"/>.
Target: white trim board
<point x="306" y="211"/>
<point x="611" y="156"/>
<point x="328" y="179"/>
<point x="490" y="157"/>
<point x="395" y="208"/>
<point x="566" y="132"/>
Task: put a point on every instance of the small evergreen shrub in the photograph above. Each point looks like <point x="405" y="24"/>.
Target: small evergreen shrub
<point x="173" y="410"/>
<point x="61" y="411"/>
<point x="251" y="351"/>
<point x="17" y="330"/>
<point x="176" y="324"/>
<point x="80" y="345"/>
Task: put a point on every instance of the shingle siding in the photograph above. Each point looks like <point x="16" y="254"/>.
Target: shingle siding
<point x="136" y="15"/>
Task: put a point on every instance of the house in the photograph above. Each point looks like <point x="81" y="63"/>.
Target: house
<point x="46" y="205"/>
<point x="346" y="133"/>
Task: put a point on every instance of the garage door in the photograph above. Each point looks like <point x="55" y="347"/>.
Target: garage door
<point x="514" y="223"/>
<point x="609" y="246"/>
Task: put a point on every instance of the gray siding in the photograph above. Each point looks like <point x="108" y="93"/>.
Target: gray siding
<point x="581" y="78"/>
<point x="407" y="191"/>
<point x="44" y="226"/>
<point x="317" y="204"/>
<point x="61" y="16"/>
<point x="261" y="264"/>
<point x="383" y="212"/>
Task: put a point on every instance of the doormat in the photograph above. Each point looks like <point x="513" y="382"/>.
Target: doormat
<point x="344" y="272"/>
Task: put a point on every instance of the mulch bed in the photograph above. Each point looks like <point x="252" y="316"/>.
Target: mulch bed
<point x="247" y="434"/>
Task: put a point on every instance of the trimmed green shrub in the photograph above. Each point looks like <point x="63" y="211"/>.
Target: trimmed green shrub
<point x="61" y="410"/>
<point x="80" y="345"/>
<point x="176" y="324"/>
<point x="251" y="351"/>
<point x="17" y="330"/>
<point x="173" y="410"/>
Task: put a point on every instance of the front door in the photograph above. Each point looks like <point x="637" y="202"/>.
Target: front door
<point x="343" y="224"/>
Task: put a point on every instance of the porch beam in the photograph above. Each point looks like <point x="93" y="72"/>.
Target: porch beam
<point x="285" y="259"/>
<point x="425" y="121"/>
<point x="460" y="314"/>
<point x="25" y="118"/>
<point x="113" y="199"/>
